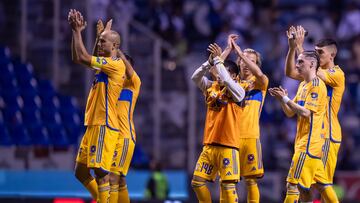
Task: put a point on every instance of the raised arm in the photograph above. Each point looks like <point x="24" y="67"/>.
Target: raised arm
<point x="199" y="76"/>
<point x="295" y="44"/>
<point x="229" y="46"/>
<point x="129" y="71"/>
<point x="79" y="53"/>
<point x="253" y="67"/>
<point x="236" y="91"/>
<point x="289" y="107"/>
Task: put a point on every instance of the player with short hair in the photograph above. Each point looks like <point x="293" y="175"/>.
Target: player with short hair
<point x="334" y="79"/>
<point x="102" y="126"/>
<point x="221" y="137"/>
<point x="309" y="105"/>
<point x="255" y="83"/>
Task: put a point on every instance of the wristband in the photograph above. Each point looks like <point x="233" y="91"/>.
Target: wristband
<point x="285" y="99"/>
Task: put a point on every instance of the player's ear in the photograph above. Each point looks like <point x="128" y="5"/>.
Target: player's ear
<point x="312" y="64"/>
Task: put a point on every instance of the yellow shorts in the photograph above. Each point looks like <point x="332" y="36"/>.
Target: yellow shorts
<point x="329" y="159"/>
<point x="305" y="170"/>
<point x="220" y="160"/>
<point x="251" y="164"/>
<point x="123" y="154"/>
<point x="97" y="147"/>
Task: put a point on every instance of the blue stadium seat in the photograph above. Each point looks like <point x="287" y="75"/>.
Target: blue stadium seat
<point x="12" y="98"/>
<point x="31" y="117"/>
<point x="19" y="135"/>
<point x="57" y="135"/>
<point x="12" y="115"/>
<point x="4" y="52"/>
<point x="46" y="89"/>
<point x="38" y="135"/>
<point x="50" y="117"/>
<point x="31" y="103"/>
<point x="5" y="139"/>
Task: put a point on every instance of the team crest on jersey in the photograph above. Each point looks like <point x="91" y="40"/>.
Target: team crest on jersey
<point x="314" y="95"/>
<point x="226" y="162"/>
<point x="250" y="158"/>
<point x="331" y="71"/>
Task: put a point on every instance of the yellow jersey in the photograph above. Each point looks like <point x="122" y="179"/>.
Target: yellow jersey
<point x="221" y="117"/>
<point x="312" y="96"/>
<point x="335" y="84"/>
<point x="251" y="106"/>
<point x="126" y="105"/>
<point x="105" y="91"/>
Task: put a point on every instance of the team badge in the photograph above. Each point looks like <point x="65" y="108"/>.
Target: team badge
<point x="92" y="149"/>
<point x="314" y="95"/>
<point x="251" y="158"/>
<point x="331" y="71"/>
<point x="226" y="162"/>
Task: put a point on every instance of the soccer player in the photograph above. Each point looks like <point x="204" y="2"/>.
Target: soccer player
<point x="309" y="105"/>
<point x="334" y="79"/>
<point x="127" y="139"/>
<point x="221" y="137"/>
<point x="98" y="143"/>
<point x="255" y="83"/>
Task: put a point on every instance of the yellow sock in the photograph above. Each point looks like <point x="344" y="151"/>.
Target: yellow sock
<point x="201" y="191"/>
<point x="92" y="186"/>
<point x="228" y="193"/>
<point x="114" y="192"/>
<point x="124" y="194"/>
<point x="253" y="194"/>
<point x="104" y="193"/>
<point x="292" y="197"/>
<point x="329" y="195"/>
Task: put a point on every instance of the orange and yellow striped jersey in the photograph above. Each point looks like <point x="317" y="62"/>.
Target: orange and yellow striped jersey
<point x="126" y="105"/>
<point x="105" y="90"/>
<point x="312" y="96"/>
<point x="251" y="106"/>
<point x="335" y="84"/>
<point x="221" y="118"/>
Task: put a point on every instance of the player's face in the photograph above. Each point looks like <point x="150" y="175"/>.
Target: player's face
<point x="324" y="55"/>
<point x="303" y="65"/>
<point x="243" y="67"/>
<point x="105" y="45"/>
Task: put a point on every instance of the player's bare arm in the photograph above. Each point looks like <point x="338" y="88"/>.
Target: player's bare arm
<point x="255" y="69"/>
<point x="290" y="107"/>
<point x="129" y="71"/>
<point x="78" y="24"/>
<point x="229" y="46"/>
<point x="294" y="43"/>
<point x="237" y="92"/>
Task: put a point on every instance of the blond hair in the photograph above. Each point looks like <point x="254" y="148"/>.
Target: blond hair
<point x="257" y="54"/>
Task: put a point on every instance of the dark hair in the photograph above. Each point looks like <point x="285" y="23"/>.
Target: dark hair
<point x="313" y="55"/>
<point x="232" y="67"/>
<point x="131" y="60"/>
<point x="326" y="42"/>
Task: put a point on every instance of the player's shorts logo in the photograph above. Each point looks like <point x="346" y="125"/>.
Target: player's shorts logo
<point x="92" y="149"/>
<point x="251" y="158"/>
<point x="115" y="153"/>
<point x="226" y="162"/>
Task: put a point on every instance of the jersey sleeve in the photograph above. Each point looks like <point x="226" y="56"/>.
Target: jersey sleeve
<point x="312" y="101"/>
<point x="108" y="65"/>
<point x="135" y="80"/>
<point x="333" y="77"/>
